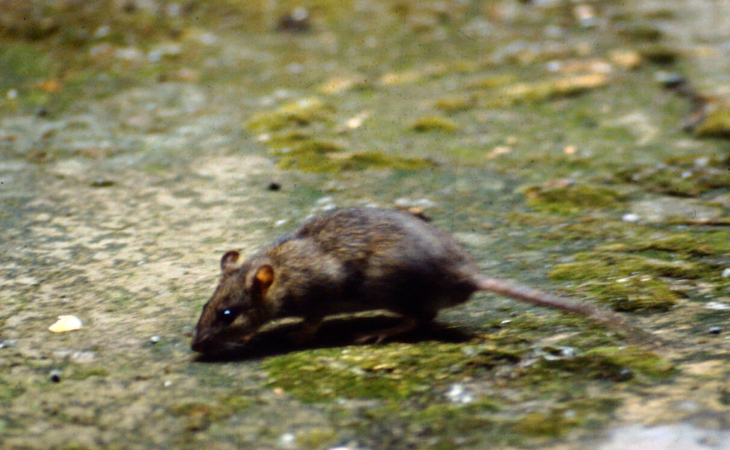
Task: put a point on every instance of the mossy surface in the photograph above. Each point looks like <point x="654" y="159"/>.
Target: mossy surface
<point x="569" y="198"/>
<point x="640" y="32"/>
<point x="548" y="90"/>
<point x="313" y="157"/>
<point x="414" y="382"/>
<point x="141" y="140"/>
<point x="614" y="363"/>
<point x="200" y="415"/>
<point x="396" y="371"/>
<point x="455" y="104"/>
<point x="299" y="113"/>
<point x="677" y="180"/>
<point x="716" y="124"/>
<point x="625" y="283"/>
<point x="434" y="123"/>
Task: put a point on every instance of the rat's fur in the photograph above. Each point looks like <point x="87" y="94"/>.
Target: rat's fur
<point x="348" y="260"/>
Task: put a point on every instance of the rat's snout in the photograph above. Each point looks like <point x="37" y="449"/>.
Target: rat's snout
<point x="201" y="342"/>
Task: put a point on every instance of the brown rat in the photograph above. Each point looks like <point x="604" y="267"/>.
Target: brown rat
<point x="350" y="260"/>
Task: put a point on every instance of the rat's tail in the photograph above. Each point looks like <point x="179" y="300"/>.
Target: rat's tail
<point x="536" y="297"/>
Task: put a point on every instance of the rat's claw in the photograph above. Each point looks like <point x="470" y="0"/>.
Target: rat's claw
<point x="376" y="338"/>
<point x="409" y="324"/>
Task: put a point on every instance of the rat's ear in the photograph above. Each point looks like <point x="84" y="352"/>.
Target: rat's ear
<point x="263" y="279"/>
<point x="228" y="262"/>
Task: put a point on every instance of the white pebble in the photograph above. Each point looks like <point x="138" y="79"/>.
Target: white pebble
<point x="726" y="273"/>
<point x="717" y="306"/>
<point x="287" y="439"/>
<point x="300" y="14"/>
<point x="458" y="394"/>
<point x="66" y="323"/>
<point x="631" y="218"/>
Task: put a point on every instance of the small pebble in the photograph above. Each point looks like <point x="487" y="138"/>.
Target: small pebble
<point x="717" y="306"/>
<point x="287" y="439"/>
<point x="715" y="330"/>
<point x="129" y="6"/>
<point x="155" y="339"/>
<point x="8" y="343"/>
<point x="670" y="80"/>
<point x="625" y="374"/>
<point x="273" y="186"/>
<point x="167" y="383"/>
<point x="296" y="22"/>
<point x="55" y="375"/>
<point x="66" y="323"/>
<point x="568" y="352"/>
<point x="726" y="273"/>
<point x="102" y="182"/>
<point x="457" y="394"/>
<point x="631" y="218"/>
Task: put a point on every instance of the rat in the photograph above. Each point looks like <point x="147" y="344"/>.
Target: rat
<point x="353" y="260"/>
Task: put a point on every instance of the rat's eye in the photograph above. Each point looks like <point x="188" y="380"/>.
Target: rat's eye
<point x="227" y="316"/>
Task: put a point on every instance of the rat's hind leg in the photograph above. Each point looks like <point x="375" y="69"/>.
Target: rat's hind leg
<point x="410" y="323"/>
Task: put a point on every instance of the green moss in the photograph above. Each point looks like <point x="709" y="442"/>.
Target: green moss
<point x="298" y="113"/>
<point x="199" y="415"/>
<point x="395" y="371"/>
<point x="309" y="148"/>
<point x="454" y="104"/>
<point x="9" y="390"/>
<point x="677" y="180"/>
<point x="558" y="420"/>
<point x="287" y="138"/>
<point x="611" y="363"/>
<point x="552" y="423"/>
<point x="640" y="32"/>
<point x="570" y="198"/>
<point x="449" y="426"/>
<point x="316" y="159"/>
<point x="626" y="282"/>
<point x="548" y="90"/>
<point x="682" y="244"/>
<point x="316" y="438"/>
<point x="22" y="63"/>
<point x="434" y="123"/>
<point x="455" y="67"/>
<point x="72" y="24"/>
<point x="637" y="359"/>
<point x="715" y="124"/>
<point x="76" y="446"/>
<point x="82" y="373"/>
<point x="492" y="82"/>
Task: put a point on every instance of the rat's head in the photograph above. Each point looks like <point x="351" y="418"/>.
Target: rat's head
<point x="237" y="308"/>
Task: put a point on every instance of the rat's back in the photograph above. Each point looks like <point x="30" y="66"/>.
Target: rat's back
<point x="392" y="260"/>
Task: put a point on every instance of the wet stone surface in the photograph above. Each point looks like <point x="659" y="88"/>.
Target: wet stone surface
<point x="576" y="147"/>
